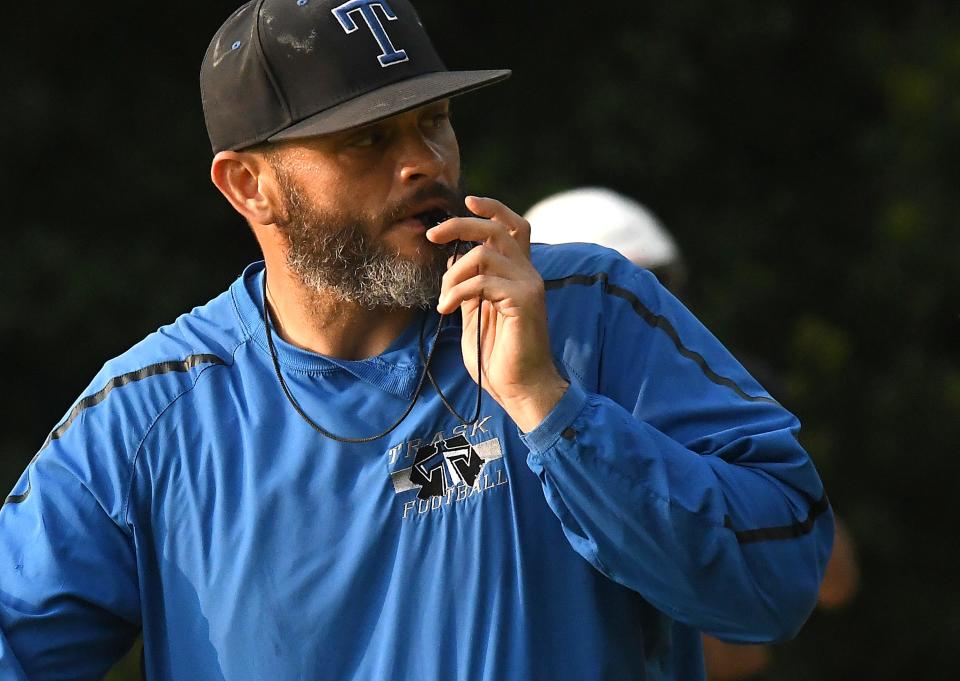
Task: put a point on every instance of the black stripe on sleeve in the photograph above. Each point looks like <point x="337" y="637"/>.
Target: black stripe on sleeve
<point x="117" y="382"/>
<point x="792" y="531"/>
<point x="657" y="322"/>
<point x="18" y="498"/>
<point x="125" y="379"/>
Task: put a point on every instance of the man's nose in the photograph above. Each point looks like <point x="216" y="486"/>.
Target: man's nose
<point x="420" y="158"/>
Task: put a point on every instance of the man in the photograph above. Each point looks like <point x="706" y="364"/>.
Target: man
<point x="629" y="228"/>
<point x="271" y="488"/>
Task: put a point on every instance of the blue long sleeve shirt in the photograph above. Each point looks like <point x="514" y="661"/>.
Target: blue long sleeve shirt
<point x="182" y="496"/>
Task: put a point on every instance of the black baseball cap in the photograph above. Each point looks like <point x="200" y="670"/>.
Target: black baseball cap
<point x="283" y="69"/>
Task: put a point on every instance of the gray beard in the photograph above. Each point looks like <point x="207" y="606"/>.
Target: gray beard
<point x="344" y="263"/>
<point x="333" y="254"/>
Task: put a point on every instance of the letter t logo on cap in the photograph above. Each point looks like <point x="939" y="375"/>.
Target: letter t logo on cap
<point x="389" y="54"/>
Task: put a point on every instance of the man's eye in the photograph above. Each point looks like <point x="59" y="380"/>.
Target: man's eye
<point x="438" y="119"/>
<point x="369" y="139"/>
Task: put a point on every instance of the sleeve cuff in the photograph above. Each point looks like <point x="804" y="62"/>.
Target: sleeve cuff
<point x="544" y="436"/>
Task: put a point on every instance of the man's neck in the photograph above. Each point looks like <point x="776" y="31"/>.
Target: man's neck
<point x="328" y="325"/>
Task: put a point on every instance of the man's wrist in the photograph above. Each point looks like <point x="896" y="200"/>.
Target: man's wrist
<point x="529" y="410"/>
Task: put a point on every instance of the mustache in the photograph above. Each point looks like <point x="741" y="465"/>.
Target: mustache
<point x="452" y="201"/>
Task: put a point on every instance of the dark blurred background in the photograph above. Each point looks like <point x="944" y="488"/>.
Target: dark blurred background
<point x="802" y="152"/>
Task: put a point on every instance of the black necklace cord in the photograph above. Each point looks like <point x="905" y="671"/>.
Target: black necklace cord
<point x="436" y="386"/>
<point x="303" y="414"/>
<point x="268" y="322"/>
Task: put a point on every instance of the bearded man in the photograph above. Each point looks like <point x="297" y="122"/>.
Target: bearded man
<point x="406" y="445"/>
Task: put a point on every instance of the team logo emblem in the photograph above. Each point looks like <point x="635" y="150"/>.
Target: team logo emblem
<point x="446" y="470"/>
<point x="389" y="55"/>
<point x="438" y="467"/>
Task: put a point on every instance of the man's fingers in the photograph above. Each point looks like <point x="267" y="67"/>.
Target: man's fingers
<point x="475" y="229"/>
<point x="505" y="294"/>
<point x="495" y="222"/>
<point x="488" y="208"/>
<point x="480" y="259"/>
<point x="497" y="211"/>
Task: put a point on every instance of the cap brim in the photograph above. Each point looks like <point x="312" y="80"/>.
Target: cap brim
<point x="390" y="100"/>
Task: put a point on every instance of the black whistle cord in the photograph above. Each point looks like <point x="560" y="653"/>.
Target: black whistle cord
<point x="436" y="386"/>
<point x="268" y="321"/>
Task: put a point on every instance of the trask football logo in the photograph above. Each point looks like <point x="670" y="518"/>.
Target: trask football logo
<point x="438" y="467"/>
<point x="446" y="470"/>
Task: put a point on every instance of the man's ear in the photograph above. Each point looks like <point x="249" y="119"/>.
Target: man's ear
<point x="248" y="183"/>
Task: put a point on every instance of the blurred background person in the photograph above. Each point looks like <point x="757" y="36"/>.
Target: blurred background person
<point x="605" y="217"/>
<point x="602" y="216"/>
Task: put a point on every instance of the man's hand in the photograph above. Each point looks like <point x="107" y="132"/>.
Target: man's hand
<point x="518" y="369"/>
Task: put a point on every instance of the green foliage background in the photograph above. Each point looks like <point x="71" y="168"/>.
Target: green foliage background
<point x="805" y="154"/>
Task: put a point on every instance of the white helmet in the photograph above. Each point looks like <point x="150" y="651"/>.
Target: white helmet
<point x="602" y="216"/>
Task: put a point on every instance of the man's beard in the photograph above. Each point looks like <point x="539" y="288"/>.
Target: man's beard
<point x="336" y="254"/>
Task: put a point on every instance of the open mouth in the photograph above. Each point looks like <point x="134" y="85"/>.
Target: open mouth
<point x="432" y="218"/>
